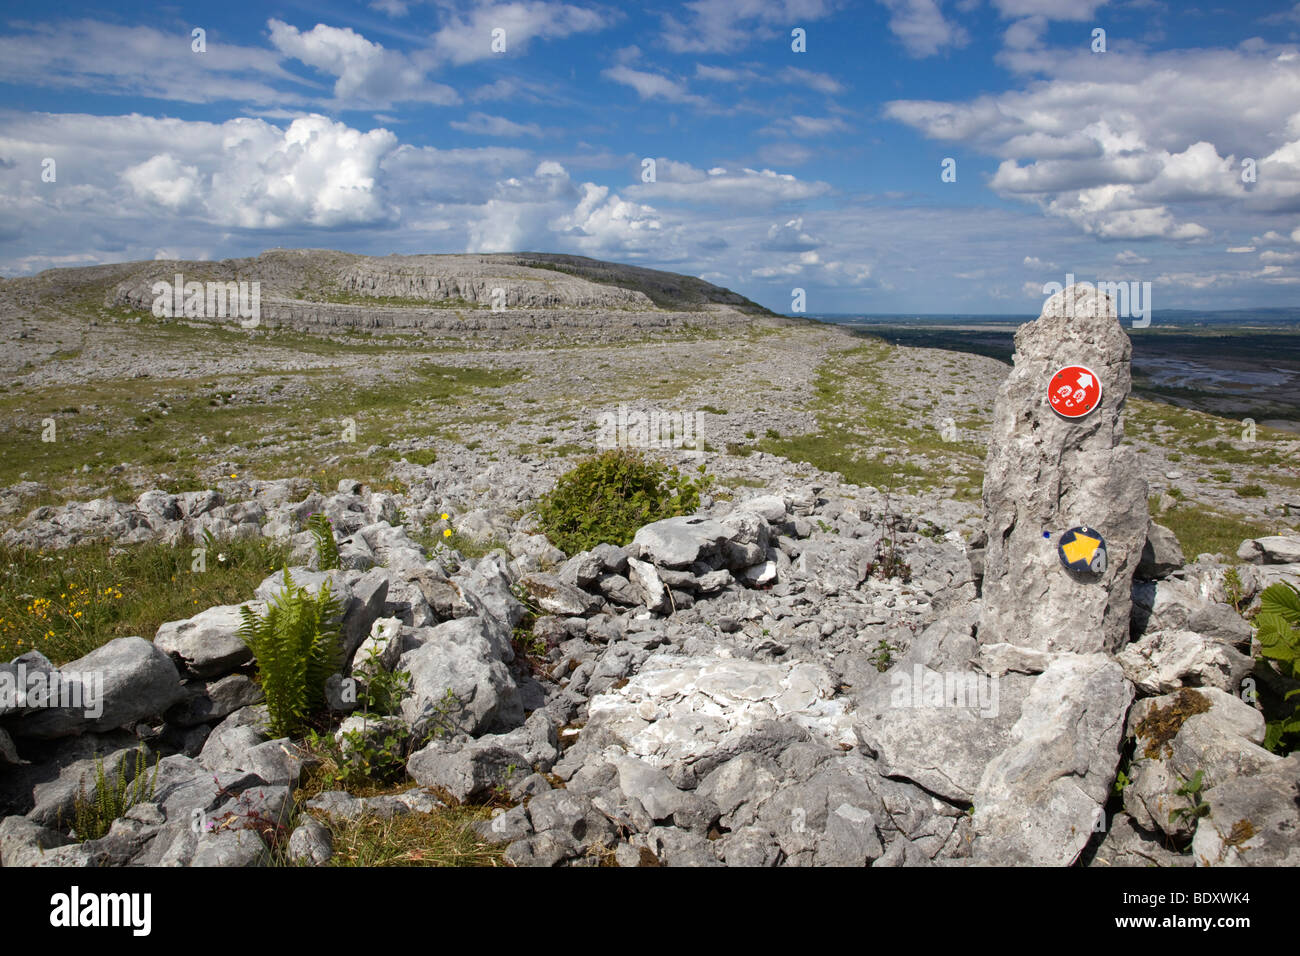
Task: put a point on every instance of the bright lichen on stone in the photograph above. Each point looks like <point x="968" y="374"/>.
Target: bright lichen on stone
<point x="1162" y="724"/>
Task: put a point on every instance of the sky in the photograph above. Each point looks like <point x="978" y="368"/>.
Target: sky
<point x="927" y="156"/>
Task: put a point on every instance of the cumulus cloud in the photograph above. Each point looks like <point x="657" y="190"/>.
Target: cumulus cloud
<point x="1151" y="148"/>
<point x="365" y="72"/>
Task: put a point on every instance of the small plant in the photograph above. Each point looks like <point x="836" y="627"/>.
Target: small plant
<point x="93" y="818"/>
<point x="380" y="690"/>
<point x="1121" y="782"/>
<point x="1191" y="789"/>
<point x="883" y="655"/>
<point x="327" y="549"/>
<point x="1251" y="491"/>
<point x="1234" y="589"/>
<point x="1278" y="629"/>
<point x="298" y="647"/>
<point x="606" y="498"/>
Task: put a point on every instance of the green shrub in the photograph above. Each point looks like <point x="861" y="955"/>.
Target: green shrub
<point x="327" y="549"/>
<point x="1278" y="630"/>
<point x="93" y="818"/>
<point x="1251" y="491"/>
<point x="605" y="499"/>
<point x="297" y="646"/>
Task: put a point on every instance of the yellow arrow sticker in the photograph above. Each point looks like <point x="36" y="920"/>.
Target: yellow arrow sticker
<point x="1082" y="548"/>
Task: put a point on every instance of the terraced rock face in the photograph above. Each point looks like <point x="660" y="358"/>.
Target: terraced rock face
<point x="304" y="288"/>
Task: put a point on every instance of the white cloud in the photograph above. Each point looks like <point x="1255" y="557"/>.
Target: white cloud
<point x="726" y="26"/>
<point x="1149" y="147"/>
<point x="1130" y="258"/>
<point x="481" y="124"/>
<point x="806" y="126"/>
<point x="366" y="72"/>
<point x="164" y="180"/>
<point x="922" y="28"/>
<point x="681" y="182"/>
<point x="141" y="61"/>
<point x="467" y="37"/>
<point x="653" y="86"/>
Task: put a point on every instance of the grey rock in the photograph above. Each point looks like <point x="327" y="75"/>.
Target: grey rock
<point x="1039" y="800"/>
<point x="135" y="679"/>
<point x="8" y="751"/>
<point x="1161" y="555"/>
<point x="210" y="701"/>
<point x="1271" y="549"/>
<point x="553" y="596"/>
<point x="750" y="847"/>
<point x="466" y="773"/>
<point x="850" y="838"/>
<point x="484" y="696"/>
<point x="1125" y="844"/>
<point x="24" y="842"/>
<point x="1045" y="473"/>
<point x="506" y="826"/>
<point x="380" y="651"/>
<point x="1254" y="820"/>
<point x="1176" y="736"/>
<point x="1164" y="661"/>
<point x="661" y="799"/>
<point x="648" y="587"/>
<point x="678" y="542"/>
<point x="311" y="842"/>
<point x="208" y="644"/>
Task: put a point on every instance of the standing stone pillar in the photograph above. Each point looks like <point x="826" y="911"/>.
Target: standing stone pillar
<point x="1046" y="474"/>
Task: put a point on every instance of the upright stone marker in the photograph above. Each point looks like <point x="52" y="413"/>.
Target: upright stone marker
<point x="1046" y="474"/>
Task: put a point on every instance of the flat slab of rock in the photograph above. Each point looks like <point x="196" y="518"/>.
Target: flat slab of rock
<point x="677" y="710"/>
<point x="678" y="542"/>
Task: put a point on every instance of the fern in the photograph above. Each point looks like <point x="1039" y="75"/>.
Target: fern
<point x="92" y="819"/>
<point x="327" y="549"/>
<point x="298" y="646"/>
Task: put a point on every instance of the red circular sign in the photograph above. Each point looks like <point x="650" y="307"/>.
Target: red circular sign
<point x="1074" y="391"/>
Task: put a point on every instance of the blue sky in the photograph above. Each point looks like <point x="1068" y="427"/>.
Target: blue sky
<point x="396" y="127"/>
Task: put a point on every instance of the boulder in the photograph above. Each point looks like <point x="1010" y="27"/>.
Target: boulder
<point x="679" y="542"/>
<point x="134" y="680"/>
<point x="1176" y="736"/>
<point x="1272" y="549"/>
<point x="208" y="644"/>
<point x="1254" y="820"/>
<point x="1164" y="661"/>
<point x="460" y="685"/>
<point x="1039" y="800"/>
<point x="1161" y="554"/>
